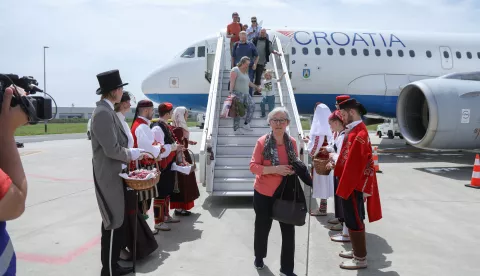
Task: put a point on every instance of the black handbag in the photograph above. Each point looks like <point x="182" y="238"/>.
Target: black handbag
<point x="290" y="211"/>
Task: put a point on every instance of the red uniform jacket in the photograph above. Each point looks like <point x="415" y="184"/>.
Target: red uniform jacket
<point x="356" y="171"/>
<point x="145" y="161"/>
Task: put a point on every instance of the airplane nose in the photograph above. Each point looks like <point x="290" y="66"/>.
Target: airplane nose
<point x="153" y="82"/>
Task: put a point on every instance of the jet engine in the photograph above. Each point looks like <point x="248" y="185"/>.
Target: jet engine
<point x="441" y="113"/>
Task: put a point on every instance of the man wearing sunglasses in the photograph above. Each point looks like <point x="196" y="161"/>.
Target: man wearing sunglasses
<point x="254" y="30"/>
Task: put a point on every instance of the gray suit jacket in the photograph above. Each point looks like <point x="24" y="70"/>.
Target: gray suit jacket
<point x="109" y="146"/>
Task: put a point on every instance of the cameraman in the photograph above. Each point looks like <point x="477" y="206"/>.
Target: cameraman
<point x="13" y="183"/>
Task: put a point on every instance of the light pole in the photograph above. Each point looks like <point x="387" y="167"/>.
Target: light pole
<point x="44" y="84"/>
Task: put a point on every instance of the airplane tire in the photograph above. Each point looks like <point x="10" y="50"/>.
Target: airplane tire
<point x="390" y="135"/>
<point x="379" y="134"/>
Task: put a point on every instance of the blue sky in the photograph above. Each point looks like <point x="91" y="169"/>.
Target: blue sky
<point x="87" y="37"/>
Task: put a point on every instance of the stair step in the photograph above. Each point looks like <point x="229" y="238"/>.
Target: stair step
<point x="255" y="122"/>
<point x="235" y="184"/>
<point x="231" y="193"/>
<point x="257" y="100"/>
<point x="233" y="171"/>
<point x="234" y="149"/>
<point x="233" y="160"/>
<point x="258" y="131"/>
<point x="238" y="139"/>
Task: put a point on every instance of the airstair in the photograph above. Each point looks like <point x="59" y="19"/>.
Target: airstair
<point x="225" y="157"/>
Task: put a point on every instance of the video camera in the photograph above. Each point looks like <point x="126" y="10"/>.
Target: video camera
<point x="37" y="108"/>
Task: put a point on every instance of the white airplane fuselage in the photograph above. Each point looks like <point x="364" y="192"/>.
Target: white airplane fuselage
<point x="371" y="66"/>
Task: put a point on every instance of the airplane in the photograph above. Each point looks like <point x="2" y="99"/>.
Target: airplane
<point x="425" y="80"/>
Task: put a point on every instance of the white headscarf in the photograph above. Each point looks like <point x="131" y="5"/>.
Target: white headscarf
<point x="179" y="119"/>
<point x="320" y="126"/>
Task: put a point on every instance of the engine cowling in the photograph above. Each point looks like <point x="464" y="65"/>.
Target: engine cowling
<point x="440" y="114"/>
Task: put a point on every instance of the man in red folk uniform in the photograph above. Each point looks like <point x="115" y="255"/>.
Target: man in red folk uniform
<point x="143" y="137"/>
<point x="358" y="179"/>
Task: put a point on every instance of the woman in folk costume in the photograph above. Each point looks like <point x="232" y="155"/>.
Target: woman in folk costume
<point x="183" y="200"/>
<point x="146" y="242"/>
<point x="321" y="137"/>
<point x="338" y="127"/>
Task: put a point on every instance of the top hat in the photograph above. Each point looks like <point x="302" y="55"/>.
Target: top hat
<point x="109" y="81"/>
<point x="352" y="103"/>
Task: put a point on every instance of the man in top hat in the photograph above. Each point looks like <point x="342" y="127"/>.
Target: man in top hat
<point x="110" y="151"/>
<point x="164" y="135"/>
<point x="357" y="179"/>
<point x="143" y="138"/>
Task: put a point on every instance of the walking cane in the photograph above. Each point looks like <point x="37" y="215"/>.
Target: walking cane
<point x="135" y="235"/>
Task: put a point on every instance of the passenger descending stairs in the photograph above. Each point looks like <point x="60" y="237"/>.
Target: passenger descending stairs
<point x="230" y="173"/>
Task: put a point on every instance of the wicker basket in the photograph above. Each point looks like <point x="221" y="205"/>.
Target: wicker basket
<point x="320" y="165"/>
<point x="192" y="156"/>
<point x="142" y="185"/>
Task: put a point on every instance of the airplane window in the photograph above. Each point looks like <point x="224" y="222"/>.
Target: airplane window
<point x="342" y="51"/>
<point x="459" y="55"/>
<point x="330" y="51"/>
<point x="189" y="53"/>
<point x="294" y="51"/>
<point x="389" y="52"/>
<point x="377" y="52"/>
<point x="305" y="50"/>
<point x="354" y="53"/>
<point x="412" y="53"/>
<point x="445" y="54"/>
<point x="317" y="51"/>
<point x="365" y="52"/>
<point x="469" y="55"/>
<point x="201" y="51"/>
<point x="400" y="53"/>
<point x="429" y="54"/>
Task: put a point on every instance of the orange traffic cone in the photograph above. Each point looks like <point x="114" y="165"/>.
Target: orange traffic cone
<point x="375" y="160"/>
<point x="475" y="183"/>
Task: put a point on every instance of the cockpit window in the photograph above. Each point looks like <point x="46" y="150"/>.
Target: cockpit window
<point x="189" y="53"/>
<point x="201" y="51"/>
<point x="471" y="76"/>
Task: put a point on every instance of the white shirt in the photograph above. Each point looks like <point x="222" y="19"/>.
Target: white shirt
<point x="269" y="86"/>
<point x="339" y="144"/>
<point x="134" y="153"/>
<point x="126" y="128"/>
<point x="109" y="103"/>
<point x="160" y="138"/>
<point x="353" y="124"/>
<point x="146" y="138"/>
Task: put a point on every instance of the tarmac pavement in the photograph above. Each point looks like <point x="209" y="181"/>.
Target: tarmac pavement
<point x="429" y="226"/>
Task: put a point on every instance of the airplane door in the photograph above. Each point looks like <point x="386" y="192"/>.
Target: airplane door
<point x="446" y="56"/>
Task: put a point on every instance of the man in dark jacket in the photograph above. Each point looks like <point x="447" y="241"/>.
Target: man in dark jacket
<point x="264" y="49"/>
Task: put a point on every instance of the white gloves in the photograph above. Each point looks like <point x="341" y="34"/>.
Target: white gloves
<point x="136" y="153"/>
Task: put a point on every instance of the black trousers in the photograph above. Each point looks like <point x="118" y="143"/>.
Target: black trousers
<point x="263" y="223"/>
<point x="112" y="243"/>
<point x="258" y="74"/>
<point x="354" y="211"/>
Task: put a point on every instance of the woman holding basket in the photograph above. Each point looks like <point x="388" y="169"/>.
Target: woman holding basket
<point x="321" y="137"/>
<point x="182" y="200"/>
